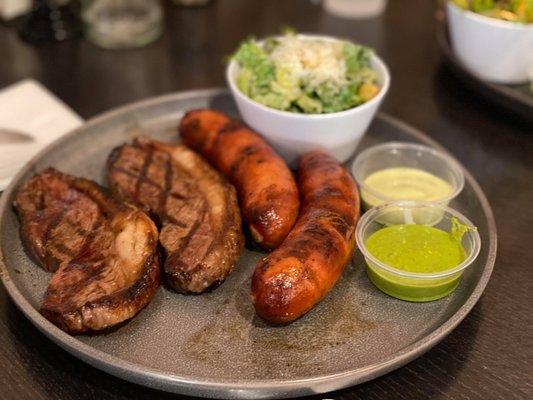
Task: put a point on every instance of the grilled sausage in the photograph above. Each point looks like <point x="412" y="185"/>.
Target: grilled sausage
<point x="297" y="275"/>
<point x="267" y="191"/>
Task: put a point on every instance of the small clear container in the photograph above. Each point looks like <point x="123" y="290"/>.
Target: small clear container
<point x="404" y="154"/>
<point x="412" y="286"/>
<point x="121" y="24"/>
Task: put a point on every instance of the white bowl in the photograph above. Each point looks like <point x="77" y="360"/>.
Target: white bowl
<point x="492" y="49"/>
<point x="293" y="134"/>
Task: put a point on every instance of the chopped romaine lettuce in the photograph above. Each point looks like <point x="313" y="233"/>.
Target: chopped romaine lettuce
<point x="481" y="6"/>
<point x="508" y="10"/>
<point x="298" y="75"/>
<point x="260" y="70"/>
<point x="309" y="105"/>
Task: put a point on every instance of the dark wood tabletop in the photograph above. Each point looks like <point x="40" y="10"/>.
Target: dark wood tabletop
<point x="490" y="354"/>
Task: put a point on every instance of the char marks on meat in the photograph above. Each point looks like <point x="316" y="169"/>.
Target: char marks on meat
<point x="196" y="207"/>
<point x="104" y="253"/>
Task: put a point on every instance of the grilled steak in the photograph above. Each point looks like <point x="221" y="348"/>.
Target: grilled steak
<point x="56" y="218"/>
<point x="104" y="253"/>
<point x="196" y="207"/>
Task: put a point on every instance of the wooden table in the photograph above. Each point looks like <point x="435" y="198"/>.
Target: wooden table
<point x="489" y="356"/>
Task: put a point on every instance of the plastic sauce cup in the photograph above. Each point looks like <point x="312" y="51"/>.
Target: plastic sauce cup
<point x="412" y="286"/>
<point x="405" y="154"/>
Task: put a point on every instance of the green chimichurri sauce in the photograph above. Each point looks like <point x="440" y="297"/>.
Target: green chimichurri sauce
<point x="417" y="248"/>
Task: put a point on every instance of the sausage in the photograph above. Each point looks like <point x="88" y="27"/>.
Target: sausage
<point x="268" y="194"/>
<point x="292" y="279"/>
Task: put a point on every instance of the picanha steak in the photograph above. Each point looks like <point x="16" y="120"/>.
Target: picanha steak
<point x="196" y="208"/>
<point x="104" y="253"/>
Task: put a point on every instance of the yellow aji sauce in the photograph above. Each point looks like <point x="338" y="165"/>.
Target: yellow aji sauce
<point x="405" y="183"/>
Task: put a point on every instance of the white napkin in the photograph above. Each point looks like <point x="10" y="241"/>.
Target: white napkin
<point x="10" y="9"/>
<point x="29" y="107"/>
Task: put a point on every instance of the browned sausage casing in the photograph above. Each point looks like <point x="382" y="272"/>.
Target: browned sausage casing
<point x="297" y="275"/>
<point x="267" y="191"/>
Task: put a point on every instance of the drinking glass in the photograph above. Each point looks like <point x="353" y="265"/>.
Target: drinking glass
<point x="116" y="24"/>
<point x="355" y="9"/>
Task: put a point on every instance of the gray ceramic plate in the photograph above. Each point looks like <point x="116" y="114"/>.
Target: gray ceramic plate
<point x="212" y="345"/>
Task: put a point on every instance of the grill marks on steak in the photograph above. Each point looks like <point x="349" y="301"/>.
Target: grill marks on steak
<point x="150" y="179"/>
<point x="105" y="253"/>
<point x="196" y="207"/>
<point x="56" y="218"/>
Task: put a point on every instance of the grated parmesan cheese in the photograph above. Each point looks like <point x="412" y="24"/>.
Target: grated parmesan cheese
<point x="311" y="60"/>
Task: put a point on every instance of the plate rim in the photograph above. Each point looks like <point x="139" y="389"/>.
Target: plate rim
<point x="227" y="387"/>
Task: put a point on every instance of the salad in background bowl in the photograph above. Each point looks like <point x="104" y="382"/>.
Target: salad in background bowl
<point x="493" y="39"/>
<point x="520" y="11"/>
<point x="304" y="92"/>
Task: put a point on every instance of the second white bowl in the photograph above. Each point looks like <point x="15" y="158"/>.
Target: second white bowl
<point x="492" y="49"/>
<point x="293" y="134"/>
